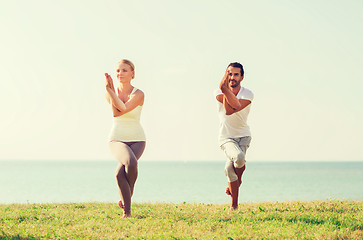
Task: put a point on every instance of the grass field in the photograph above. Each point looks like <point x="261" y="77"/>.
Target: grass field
<point x="280" y="220"/>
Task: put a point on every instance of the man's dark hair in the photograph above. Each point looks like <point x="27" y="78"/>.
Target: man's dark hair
<point x="237" y="65"/>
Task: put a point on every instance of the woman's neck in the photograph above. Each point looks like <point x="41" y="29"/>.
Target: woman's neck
<point x="125" y="87"/>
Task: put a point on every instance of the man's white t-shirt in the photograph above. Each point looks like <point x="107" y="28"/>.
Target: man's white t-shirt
<point x="234" y="125"/>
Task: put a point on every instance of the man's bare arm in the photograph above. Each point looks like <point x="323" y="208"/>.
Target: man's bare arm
<point x="228" y="108"/>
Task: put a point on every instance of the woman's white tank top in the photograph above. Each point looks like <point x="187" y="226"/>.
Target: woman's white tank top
<point x="127" y="127"/>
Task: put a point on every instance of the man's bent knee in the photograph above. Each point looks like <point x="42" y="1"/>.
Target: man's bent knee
<point x="239" y="164"/>
<point x="231" y="174"/>
<point x="240" y="160"/>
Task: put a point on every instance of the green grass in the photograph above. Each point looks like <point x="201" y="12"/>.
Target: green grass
<point x="280" y="220"/>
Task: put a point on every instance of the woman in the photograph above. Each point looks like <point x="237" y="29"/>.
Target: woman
<point x="127" y="138"/>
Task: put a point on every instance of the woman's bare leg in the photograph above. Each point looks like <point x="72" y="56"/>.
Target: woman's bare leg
<point x="137" y="148"/>
<point x="126" y="174"/>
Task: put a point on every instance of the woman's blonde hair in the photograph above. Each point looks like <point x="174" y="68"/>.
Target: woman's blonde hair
<point x="128" y="62"/>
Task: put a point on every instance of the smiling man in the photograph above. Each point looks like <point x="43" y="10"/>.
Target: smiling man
<point x="234" y="102"/>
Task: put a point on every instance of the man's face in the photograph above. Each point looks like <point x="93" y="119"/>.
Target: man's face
<point x="235" y="77"/>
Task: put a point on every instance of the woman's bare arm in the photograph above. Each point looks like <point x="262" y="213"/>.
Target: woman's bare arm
<point x="118" y="106"/>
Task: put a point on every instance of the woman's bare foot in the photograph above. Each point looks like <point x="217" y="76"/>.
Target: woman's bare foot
<point x="126" y="215"/>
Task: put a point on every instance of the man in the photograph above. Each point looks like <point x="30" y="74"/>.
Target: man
<point x="234" y="102"/>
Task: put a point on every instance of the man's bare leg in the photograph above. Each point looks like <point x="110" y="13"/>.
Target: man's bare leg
<point x="239" y="172"/>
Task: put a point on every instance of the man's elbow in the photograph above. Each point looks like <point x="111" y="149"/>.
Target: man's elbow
<point x="237" y="106"/>
<point x="229" y="112"/>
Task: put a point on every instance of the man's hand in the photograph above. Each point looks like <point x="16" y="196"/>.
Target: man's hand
<point x="224" y="82"/>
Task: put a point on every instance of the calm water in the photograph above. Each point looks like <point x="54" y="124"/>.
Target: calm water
<point x="176" y="182"/>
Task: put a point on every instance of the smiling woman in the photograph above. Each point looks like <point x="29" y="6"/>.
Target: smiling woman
<point x="127" y="138"/>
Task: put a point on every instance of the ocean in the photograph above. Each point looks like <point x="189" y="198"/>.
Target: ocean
<point x="178" y="182"/>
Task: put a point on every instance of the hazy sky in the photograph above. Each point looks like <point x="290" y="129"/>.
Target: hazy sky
<point x="302" y="60"/>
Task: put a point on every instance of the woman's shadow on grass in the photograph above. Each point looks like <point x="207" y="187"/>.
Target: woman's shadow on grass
<point x="16" y="238"/>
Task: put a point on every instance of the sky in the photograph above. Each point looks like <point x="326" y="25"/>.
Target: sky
<point x="302" y="61"/>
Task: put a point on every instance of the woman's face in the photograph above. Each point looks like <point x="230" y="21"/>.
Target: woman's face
<point x="124" y="72"/>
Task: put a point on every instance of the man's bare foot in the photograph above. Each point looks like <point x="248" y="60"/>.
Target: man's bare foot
<point x="120" y="204"/>
<point x="228" y="192"/>
<point x="234" y="208"/>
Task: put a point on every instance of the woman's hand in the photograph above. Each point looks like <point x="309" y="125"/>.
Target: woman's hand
<point x="117" y="105"/>
<point x="109" y="82"/>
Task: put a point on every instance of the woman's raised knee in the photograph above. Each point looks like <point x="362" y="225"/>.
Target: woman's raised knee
<point x="132" y="165"/>
<point x="120" y="174"/>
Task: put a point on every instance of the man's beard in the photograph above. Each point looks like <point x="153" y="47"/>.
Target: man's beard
<point x="234" y="85"/>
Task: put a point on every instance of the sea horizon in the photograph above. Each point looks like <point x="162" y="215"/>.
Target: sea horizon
<point x="62" y="181"/>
